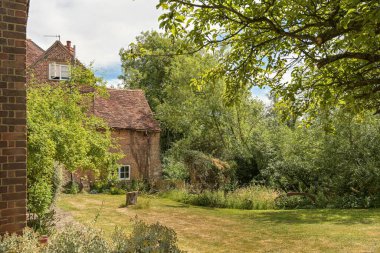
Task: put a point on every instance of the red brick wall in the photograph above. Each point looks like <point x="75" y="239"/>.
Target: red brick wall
<point x="142" y="152"/>
<point x="13" y="17"/>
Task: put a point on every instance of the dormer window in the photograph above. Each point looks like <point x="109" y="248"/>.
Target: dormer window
<point x="59" y="71"/>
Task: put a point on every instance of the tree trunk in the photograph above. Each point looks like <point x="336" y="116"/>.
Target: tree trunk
<point x="131" y="198"/>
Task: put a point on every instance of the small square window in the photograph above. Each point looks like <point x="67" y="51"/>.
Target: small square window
<point x="124" y="172"/>
<point x="59" y="71"/>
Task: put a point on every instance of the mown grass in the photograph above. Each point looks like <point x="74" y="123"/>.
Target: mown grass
<point x="202" y="229"/>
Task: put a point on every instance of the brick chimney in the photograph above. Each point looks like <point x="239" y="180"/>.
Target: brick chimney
<point x="68" y="46"/>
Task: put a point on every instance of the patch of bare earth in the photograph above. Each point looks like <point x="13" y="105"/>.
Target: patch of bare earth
<point x="63" y="218"/>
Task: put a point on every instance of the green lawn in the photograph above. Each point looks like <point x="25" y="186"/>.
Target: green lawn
<point x="227" y="230"/>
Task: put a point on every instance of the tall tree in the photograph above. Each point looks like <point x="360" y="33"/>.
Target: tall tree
<point x="145" y="63"/>
<point x="61" y="131"/>
<point x="192" y="117"/>
<point x="331" y="48"/>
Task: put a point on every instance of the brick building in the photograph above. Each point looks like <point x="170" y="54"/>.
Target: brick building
<point x="127" y="112"/>
<point x="51" y="65"/>
<point x="13" y="18"/>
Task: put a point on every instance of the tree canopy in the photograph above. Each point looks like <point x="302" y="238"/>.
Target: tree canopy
<point x="61" y="132"/>
<point x="331" y="48"/>
<point x="191" y="118"/>
<point x="335" y="158"/>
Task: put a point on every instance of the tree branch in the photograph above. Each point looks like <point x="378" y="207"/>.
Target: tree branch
<point x="348" y="55"/>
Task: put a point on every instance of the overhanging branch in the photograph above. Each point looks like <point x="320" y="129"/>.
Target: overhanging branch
<point x="348" y="55"/>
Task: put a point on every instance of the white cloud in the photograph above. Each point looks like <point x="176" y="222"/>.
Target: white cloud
<point x="114" y="83"/>
<point x="98" y="28"/>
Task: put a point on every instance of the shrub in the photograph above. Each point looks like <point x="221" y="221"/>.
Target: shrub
<point x="116" y="191"/>
<point x="39" y="197"/>
<point x="355" y="201"/>
<point x="85" y="239"/>
<point x="78" y="239"/>
<point x="116" y="187"/>
<point x="173" y="169"/>
<point x="100" y="186"/>
<point x="138" y="185"/>
<point x="206" y="172"/>
<point x="43" y="224"/>
<point x="41" y="217"/>
<point x="151" y="238"/>
<point x="26" y="243"/>
<point x="293" y="202"/>
<point x="72" y="188"/>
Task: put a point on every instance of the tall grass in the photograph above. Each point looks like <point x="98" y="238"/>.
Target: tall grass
<point x="252" y="198"/>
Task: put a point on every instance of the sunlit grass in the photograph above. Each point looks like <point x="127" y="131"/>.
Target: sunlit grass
<point x="230" y="230"/>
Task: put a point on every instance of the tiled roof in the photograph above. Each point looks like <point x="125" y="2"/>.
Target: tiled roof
<point x="33" y="52"/>
<point x="126" y="109"/>
<point x="64" y="50"/>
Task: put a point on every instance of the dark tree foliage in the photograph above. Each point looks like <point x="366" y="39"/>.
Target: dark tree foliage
<point x="331" y="48"/>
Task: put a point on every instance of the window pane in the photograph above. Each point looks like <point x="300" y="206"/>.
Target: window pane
<point x="124" y="172"/>
<point x="127" y="172"/>
<point x="65" y="74"/>
<point x="53" y="71"/>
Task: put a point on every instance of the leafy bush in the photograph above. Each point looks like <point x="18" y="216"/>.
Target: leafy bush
<point x="26" y="243"/>
<point x="118" y="187"/>
<point x="85" y="239"/>
<point x="173" y="169"/>
<point x="151" y="238"/>
<point x="336" y="158"/>
<point x="293" y="202"/>
<point x="72" y="188"/>
<point x="78" y="239"/>
<point x="99" y="186"/>
<point x="39" y="197"/>
<point x="355" y="201"/>
<point x="205" y="171"/>
<point x="116" y="191"/>
<point x="43" y="224"/>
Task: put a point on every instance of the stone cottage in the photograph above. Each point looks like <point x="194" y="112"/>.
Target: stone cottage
<point x="126" y="111"/>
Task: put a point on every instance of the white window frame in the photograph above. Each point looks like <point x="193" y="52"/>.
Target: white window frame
<point x="119" y="172"/>
<point x="58" y="68"/>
